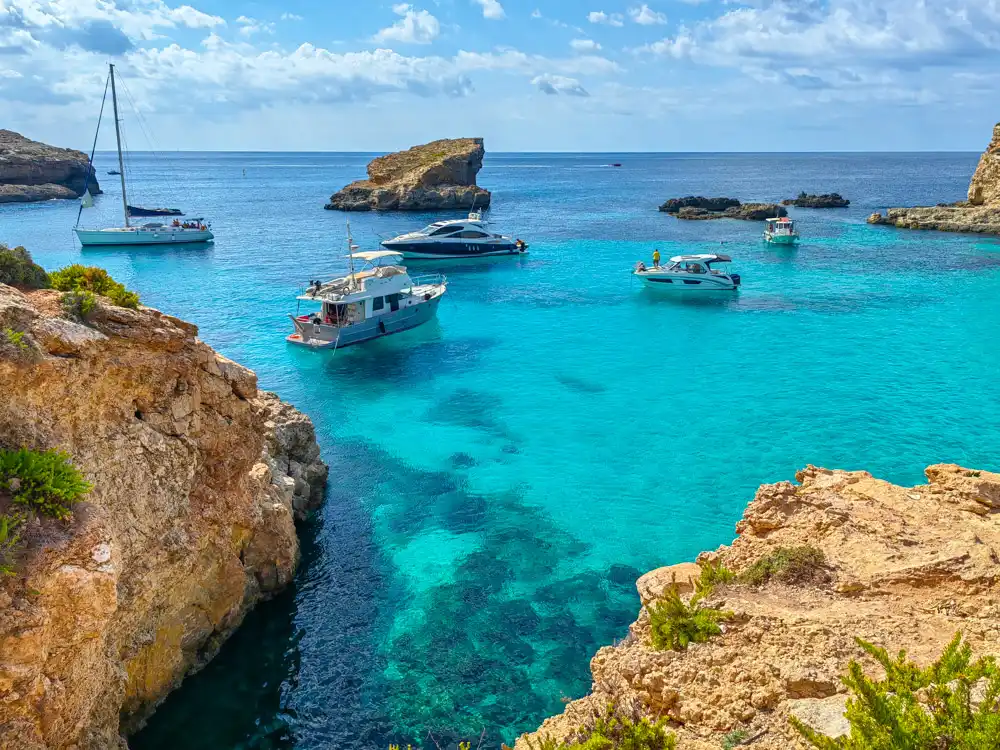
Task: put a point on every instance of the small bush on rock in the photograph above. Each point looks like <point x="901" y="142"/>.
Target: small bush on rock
<point x="787" y="565"/>
<point x="712" y="574"/>
<point x="77" y="278"/>
<point x="10" y="538"/>
<point x="676" y="624"/>
<point x="954" y="704"/>
<point x="45" y="482"/>
<point x="78" y="305"/>
<point x="17" y="269"/>
<point x="15" y="338"/>
<point x="616" y="728"/>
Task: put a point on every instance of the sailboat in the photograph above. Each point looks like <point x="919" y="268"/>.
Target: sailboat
<point x="177" y="232"/>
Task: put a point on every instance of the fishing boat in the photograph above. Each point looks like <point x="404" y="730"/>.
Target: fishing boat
<point x="780" y="231"/>
<point x="134" y="234"/>
<point x="453" y="239"/>
<point x="378" y="300"/>
<point x="691" y="273"/>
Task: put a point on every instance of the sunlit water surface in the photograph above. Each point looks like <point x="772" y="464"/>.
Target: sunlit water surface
<point x="501" y="477"/>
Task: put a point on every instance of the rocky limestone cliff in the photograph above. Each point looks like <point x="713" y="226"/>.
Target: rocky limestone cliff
<point x="980" y="214"/>
<point x="907" y="568"/>
<point x="32" y="171"/>
<point x="196" y="478"/>
<point x="438" y="175"/>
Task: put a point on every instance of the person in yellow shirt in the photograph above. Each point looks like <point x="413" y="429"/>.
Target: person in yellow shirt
<point x="656" y="258"/>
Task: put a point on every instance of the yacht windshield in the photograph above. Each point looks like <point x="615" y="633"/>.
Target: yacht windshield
<point x="445" y="231"/>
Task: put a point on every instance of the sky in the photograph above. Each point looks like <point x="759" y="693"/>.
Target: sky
<point x="526" y="75"/>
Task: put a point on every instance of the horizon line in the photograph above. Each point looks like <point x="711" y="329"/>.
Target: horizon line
<point x="595" y="153"/>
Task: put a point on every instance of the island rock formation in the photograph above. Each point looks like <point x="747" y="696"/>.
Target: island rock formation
<point x="826" y="200"/>
<point x="32" y="171"/>
<point x="698" y="207"/>
<point x="437" y="176"/>
<point x="197" y="478"/>
<point x="906" y="568"/>
<point x="980" y="214"/>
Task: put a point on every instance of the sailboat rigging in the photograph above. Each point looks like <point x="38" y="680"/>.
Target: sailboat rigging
<point x="193" y="230"/>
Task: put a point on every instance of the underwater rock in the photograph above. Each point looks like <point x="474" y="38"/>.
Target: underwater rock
<point x="979" y="215"/>
<point x="32" y="171"/>
<point x="907" y="567"/>
<point x="436" y="176"/>
<point x="197" y="477"/>
<point x="826" y="200"/>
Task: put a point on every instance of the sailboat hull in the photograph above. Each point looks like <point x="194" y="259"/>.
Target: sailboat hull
<point x="143" y="236"/>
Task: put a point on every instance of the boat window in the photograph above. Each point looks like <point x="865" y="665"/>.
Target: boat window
<point x="695" y="268"/>
<point x="444" y="231"/>
<point x="472" y="235"/>
<point x="393" y="300"/>
<point x="378" y="303"/>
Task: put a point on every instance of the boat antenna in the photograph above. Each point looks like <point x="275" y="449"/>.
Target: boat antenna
<point x="93" y="150"/>
<point x="118" y="137"/>
<point x="350" y="252"/>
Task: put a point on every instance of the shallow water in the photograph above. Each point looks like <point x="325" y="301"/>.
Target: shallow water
<point x="502" y="476"/>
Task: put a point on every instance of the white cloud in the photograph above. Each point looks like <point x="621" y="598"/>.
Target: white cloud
<point x="492" y="9"/>
<point x="415" y="27"/>
<point x="607" y="19"/>
<point x="520" y="62"/>
<point x="291" y="17"/>
<point x="250" y="26"/>
<point x="584" y="45"/>
<point x="552" y="85"/>
<point x="646" y="16"/>
<point x="536" y="13"/>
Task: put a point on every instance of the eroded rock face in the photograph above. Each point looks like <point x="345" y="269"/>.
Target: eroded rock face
<point x="908" y="568"/>
<point x="33" y="171"/>
<point x="979" y="215"/>
<point x="438" y="175"/>
<point x="196" y="478"/>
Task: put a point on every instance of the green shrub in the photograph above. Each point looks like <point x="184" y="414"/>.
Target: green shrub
<point x="45" y="482"/>
<point x="676" y="623"/>
<point x="10" y="538"/>
<point x="615" y="728"/>
<point x="15" y="338"/>
<point x="78" y="305"/>
<point x="712" y="574"/>
<point x="914" y="708"/>
<point x="78" y="278"/>
<point x="734" y="739"/>
<point x="788" y="565"/>
<point x="17" y="269"/>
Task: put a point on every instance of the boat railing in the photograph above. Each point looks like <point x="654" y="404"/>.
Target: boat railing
<point x="430" y="279"/>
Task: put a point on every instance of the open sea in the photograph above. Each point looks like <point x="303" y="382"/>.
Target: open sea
<point x="500" y="477"/>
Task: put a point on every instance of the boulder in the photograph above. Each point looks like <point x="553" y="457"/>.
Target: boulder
<point x="32" y="171"/>
<point x="826" y="200"/>
<point x="436" y="176"/>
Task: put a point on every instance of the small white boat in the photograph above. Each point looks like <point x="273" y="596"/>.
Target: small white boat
<point x="454" y="239"/>
<point x="691" y="273"/>
<point x="376" y="301"/>
<point x="193" y="230"/>
<point x="780" y="231"/>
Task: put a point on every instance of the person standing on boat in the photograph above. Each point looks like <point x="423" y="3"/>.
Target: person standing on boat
<point x="656" y="258"/>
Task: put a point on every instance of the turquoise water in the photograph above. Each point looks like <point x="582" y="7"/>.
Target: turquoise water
<point x="501" y="476"/>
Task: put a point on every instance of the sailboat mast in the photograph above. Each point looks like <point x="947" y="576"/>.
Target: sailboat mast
<point x="350" y="253"/>
<point x="118" y="136"/>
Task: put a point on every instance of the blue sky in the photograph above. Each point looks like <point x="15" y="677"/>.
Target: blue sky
<point x="593" y="75"/>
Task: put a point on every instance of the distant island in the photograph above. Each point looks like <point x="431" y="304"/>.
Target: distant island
<point x="826" y="200"/>
<point x="438" y="175"/>
<point x="32" y="171"/>
<point x="699" y="207"/>
<point x="979" y="214"/>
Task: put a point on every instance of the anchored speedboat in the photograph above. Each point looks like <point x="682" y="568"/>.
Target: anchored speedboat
<point x="693" y="273"/>
<point x="457" y="238"/>
<point x="780" y="231"/>
<point x="379" y="300"/>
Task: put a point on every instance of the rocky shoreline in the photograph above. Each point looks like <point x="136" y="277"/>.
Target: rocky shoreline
<point x="436" y="176"/>
<point x="197" y="478"/>
<point x="700" y="208"/>
<point x="31" y="171"/>
<point x="902" y="567"/>
<point x="980" y="214"/>
<point x="826" y="200"/>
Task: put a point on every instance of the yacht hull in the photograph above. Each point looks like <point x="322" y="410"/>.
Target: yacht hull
<point x="782" y="239"/>
<point x="684" y="283"/>
<point x="322" y="336"/>
<point x="451" y="250"/>
<point x="143" y="236"/>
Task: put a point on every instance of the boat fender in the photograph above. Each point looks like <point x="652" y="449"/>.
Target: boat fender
<point x="427" y="297"/>
<point x="381" y="326"/>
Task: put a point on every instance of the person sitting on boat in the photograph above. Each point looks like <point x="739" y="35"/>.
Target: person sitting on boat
<point x="656" y="258"/>
<point x="519" y="244"/>
<point x="176" y="223"/>
<point x="640" y="266"/>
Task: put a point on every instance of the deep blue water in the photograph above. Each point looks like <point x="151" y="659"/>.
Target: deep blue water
<point x="501" y="477"/>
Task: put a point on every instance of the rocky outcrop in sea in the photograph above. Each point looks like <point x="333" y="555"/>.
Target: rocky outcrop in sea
<point x="826" y="200"/>
<point x="32" y="171"/>
<point x="697" y="207"/>
<point x="197" y="477"/>
<point x="436" y="176"/>
<point x="979" y="214"/>
<point x="901" y="567"/>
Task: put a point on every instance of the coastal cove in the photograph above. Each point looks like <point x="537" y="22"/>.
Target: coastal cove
<point x="500" y="478"/>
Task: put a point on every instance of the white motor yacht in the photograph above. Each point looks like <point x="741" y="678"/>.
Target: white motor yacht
<point x="691" y="273"/>
<point x="454" y="239"/>
<point x="780" y="231"/>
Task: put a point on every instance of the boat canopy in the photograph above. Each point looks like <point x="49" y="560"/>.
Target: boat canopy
<point x="375" y="255"/>
<point x="704" y="258"/>
<point x="779" y="220"/>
